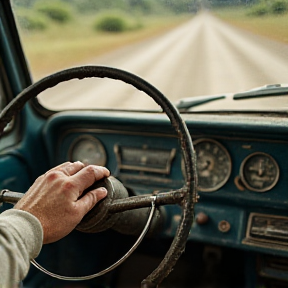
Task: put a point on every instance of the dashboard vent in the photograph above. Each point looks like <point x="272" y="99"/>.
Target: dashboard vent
<point x="277" y="263"/>
<point x="267" y="230"/>
<point x="144" y="159"/>
<point x="273" y="269"/>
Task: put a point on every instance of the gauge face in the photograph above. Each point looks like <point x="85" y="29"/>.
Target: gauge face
<point x="88" y="150"/>
<point x="259" y="172"/>
<point x="213" y="163"/>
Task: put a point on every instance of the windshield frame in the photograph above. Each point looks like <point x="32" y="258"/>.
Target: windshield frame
<point x="11" y="50"/>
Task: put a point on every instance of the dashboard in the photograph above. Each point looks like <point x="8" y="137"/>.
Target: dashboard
<point x="241" y="165"/>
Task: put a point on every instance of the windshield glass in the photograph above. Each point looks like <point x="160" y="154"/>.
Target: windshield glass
<point x="185" y="48"/>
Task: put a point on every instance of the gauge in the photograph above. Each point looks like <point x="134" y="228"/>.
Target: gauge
<point x="88" y="150"/>
<point x="213" y="164"/>
<point x="259" y="172"/>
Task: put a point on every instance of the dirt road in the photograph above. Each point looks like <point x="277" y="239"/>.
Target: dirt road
<point x="204" y="56"/>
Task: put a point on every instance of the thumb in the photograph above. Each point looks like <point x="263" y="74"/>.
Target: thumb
<point x="89" y="200"/>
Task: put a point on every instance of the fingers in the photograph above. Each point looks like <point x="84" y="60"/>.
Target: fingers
<point x="73" y="168"/>
<point x="88" y="175"/>
<point x="69" y="168"/>
<point x="59" y="167"/>
<point x="87" y="202"/>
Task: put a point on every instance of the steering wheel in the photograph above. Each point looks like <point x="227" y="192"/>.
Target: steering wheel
<point x="186" y="196"/>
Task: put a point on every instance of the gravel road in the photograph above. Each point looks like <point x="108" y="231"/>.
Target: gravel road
<point x="204" y="56"/>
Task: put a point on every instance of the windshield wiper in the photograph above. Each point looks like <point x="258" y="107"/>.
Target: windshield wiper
<point x="187" y="103"/>
<point x="265" y="91"/>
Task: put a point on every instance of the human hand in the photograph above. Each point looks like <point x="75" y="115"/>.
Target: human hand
<point x="54" y="197"/>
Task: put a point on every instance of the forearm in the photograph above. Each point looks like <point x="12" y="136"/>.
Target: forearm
<point x="21" y="240"/>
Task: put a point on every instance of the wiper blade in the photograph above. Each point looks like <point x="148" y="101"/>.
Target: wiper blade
<point x="187" y="103"/>
<point x="265" y="91"/>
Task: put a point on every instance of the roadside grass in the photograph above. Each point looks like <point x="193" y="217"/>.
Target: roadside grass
<point x="67" y="45"/>
<point x="271" y="26"/>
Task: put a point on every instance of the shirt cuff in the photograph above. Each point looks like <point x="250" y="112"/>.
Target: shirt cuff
<point x="27" y="227"/>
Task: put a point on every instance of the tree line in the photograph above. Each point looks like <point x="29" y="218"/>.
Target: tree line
<point x="143" y="6"/>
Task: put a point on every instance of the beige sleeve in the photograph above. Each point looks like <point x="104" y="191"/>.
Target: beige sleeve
<point x="21" y="238"/>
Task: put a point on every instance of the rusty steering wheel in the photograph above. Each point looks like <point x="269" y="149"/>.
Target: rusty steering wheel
<point x="186" y="196"/>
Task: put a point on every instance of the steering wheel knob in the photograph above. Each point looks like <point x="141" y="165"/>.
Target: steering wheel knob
<point x="99" y="218"/>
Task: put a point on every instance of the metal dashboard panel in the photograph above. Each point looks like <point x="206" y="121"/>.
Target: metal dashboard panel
<point x="136" y="168"/>
<point x="231" y="203"/>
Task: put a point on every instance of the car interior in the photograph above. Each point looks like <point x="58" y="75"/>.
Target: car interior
<point x="219" y="200"/>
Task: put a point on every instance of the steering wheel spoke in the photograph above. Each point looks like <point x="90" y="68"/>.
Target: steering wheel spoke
<point x="136" y="202"/>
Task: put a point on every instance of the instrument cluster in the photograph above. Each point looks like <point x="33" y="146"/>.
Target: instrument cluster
<point x="258" y="172"/>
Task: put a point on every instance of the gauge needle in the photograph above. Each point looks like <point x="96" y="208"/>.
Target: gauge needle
<point x="261" y="168"/>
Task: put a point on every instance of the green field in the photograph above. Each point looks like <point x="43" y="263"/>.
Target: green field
<point x="272" y="26"/>
<point x="69" y="44"/>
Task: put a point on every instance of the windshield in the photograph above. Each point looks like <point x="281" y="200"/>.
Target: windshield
<point x="185" y="48"/>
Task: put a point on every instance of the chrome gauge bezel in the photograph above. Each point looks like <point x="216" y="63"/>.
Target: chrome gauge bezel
<point x="243" y="179"/>
<point x="96" y="142"/>
<point x="227" y="176"/>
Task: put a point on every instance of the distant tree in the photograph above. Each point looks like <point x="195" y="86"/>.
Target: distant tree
<point x="279" y="7"/>
<point x="55" y="10"/>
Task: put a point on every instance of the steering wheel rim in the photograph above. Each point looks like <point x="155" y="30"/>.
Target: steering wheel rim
<point x="189" y="157"/>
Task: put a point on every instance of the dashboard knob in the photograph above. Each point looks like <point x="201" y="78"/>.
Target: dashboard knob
<point x="224" y="226"/>
<point x="202" y="218"/>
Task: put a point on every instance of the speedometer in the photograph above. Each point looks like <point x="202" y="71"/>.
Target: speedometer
<point x="213" y="163"/>
<point x="88" y="150"/>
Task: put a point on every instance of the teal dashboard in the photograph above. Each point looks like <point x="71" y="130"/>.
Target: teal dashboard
<point x="241" y="165"/>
